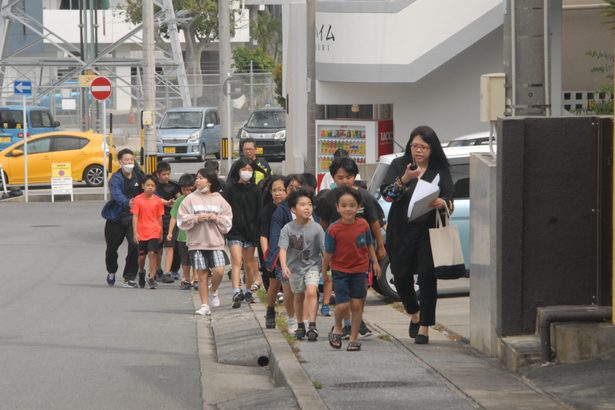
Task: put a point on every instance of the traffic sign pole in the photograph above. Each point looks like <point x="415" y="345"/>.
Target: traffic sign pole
<point x="100" y="87"/>
<point x="25" y="144"/>
<point x="105" y="145"/>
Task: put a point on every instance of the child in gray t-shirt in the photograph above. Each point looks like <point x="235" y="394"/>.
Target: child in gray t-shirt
<point x="301" y="245"/>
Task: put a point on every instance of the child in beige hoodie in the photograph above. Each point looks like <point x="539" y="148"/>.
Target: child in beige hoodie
<point x="206" y="217"/>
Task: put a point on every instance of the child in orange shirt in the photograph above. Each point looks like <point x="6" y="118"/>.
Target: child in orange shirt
<point x="147" y="211"/>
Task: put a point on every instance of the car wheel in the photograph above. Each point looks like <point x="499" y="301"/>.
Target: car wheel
<point x="386" y="283"/>
<point x="94" y="175"/>
<point x="217" y="155"/>
<point x="203" y="154"/>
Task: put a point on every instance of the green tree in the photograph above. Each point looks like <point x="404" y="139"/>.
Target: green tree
<point x="267" y="32"/>
<point x="604" y="65"/>
<point x="198" y="22"/>
<point x="277" y="78"/>
<point x="261" y="61"/>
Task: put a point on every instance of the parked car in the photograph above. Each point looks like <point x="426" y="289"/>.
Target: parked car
<point x="459" y="159"/>
<point x="84" y="150"/>
<point x="189" y="132"/>
<point x="477" y="138"/>
<point x="11" y="123"/>
<point x="267" y="126"/>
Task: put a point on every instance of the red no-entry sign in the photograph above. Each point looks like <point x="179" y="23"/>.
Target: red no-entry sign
<point x="100" y="88"/>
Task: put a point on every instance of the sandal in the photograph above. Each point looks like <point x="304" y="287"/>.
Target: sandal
<point x="335" y="340"/>
<point x="354" y="347"/>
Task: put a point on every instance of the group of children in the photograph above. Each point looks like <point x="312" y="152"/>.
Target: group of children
<point x="302" y="239"/>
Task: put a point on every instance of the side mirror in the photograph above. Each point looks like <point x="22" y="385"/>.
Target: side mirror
<point x="17" y="153"/>
<point x="56" y="124"/>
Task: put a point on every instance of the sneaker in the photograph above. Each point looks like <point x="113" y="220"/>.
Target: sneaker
<point x="292" y="324"/>
<point x="185" y="285"/>
<point x="312" y="334"/>
<point x="129" y="283"/>
<point x="111" y="279"/>
<point x="346" y="332"/>
<point x="159" y="274"/>
<point x="325" y="310"/>
<point x="152" y="283"/>
<point x="167" y="277"/>
<point x="237" y="299"/>
<point x="300" y="333"/>
<point x="215" y="300"/>
<point x="176" y="275"/>
<point x="142" y="279"/>
<point x="364" y="331"/>
<point x="279" y="298"/>
<point x="203" y="311"/>
<point x="255" y="286"/>
<point x="248" y="297"/>
<point x="195" y="285"/>
<point x="270" y="318"/>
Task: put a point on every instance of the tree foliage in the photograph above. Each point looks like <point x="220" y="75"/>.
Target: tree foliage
<point x="261" y="60"/>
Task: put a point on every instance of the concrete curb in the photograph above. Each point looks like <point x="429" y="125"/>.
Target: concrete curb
<point x="285" y="366"/>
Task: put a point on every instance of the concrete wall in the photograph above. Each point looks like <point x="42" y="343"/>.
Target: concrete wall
<point x="446" y="99"/>
<point x="583" y="30"/>
<point x="483" y="280"/>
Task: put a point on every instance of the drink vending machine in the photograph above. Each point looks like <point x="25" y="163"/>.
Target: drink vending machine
<point x="364" y="140"/>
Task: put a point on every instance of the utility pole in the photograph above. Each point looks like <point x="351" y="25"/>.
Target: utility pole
<point x="310" y="48"/>
<point x="149" y="88"/>
<point x="224" y="44"/>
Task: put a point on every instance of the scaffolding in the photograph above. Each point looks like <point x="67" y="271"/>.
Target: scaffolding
<point x="50" y="75"/>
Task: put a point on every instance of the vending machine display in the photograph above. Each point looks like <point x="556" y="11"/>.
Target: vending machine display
<point x="358" y="138"/>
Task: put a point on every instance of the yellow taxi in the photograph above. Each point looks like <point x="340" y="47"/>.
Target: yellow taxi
<point x="83" y="150"/>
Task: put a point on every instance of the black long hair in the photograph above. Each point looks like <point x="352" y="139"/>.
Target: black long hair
<point x="241" y="162"/>
<point x="437" y="157"/>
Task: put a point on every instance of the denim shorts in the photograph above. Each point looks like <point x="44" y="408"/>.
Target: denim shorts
<point x="243" y="244"/>
<point x="299" y="281"/>
<point x="349" y="286"/>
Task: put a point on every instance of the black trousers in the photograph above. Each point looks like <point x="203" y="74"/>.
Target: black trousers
<point x="115" y="233"/>
<point x="405" y="263"/>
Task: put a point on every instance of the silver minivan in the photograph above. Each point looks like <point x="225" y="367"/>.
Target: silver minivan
<point x="189" y="132"/>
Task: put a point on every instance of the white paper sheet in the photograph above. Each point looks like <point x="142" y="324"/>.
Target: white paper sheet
<point x="424" y="194"/>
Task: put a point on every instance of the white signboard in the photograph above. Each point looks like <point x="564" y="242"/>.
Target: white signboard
<point x="61" y="180"/>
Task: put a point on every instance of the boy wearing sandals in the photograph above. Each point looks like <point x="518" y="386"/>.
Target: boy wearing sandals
<point x="349" y="246"/>
<point x="301" y="244"/>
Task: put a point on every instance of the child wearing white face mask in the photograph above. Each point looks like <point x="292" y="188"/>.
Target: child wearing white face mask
<point x="206" y="217"/>
<point x="246" y="201"/>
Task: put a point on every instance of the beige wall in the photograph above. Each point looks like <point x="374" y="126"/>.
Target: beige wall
<point x="583" y="30"/>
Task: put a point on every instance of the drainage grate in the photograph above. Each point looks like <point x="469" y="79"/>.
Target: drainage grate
<point x="44" y="226"/>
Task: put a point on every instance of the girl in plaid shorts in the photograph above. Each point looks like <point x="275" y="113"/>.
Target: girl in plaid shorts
<point x="206" y="217"/>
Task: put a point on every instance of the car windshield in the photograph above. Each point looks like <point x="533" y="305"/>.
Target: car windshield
<point x="185" y="119"/>
<point x="267" y="119"/>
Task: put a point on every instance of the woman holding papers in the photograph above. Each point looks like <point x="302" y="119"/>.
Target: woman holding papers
<point x="420" y="180"/>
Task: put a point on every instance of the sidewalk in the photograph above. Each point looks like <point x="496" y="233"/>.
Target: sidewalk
<point x="389" y="372"/>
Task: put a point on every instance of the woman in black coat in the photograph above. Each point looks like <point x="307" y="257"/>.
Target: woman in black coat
<point x="407" y="243"/>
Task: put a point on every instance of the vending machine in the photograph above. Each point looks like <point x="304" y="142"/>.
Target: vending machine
<point x="365" y="141"/>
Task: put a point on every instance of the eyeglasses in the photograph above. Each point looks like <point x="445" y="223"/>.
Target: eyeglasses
<point x="420" y="147"/>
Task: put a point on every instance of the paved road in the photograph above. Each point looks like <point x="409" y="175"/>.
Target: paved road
<point x="67" y="340"/>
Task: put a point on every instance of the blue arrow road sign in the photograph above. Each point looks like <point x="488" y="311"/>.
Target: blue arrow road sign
<point x="22" y="87"/>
